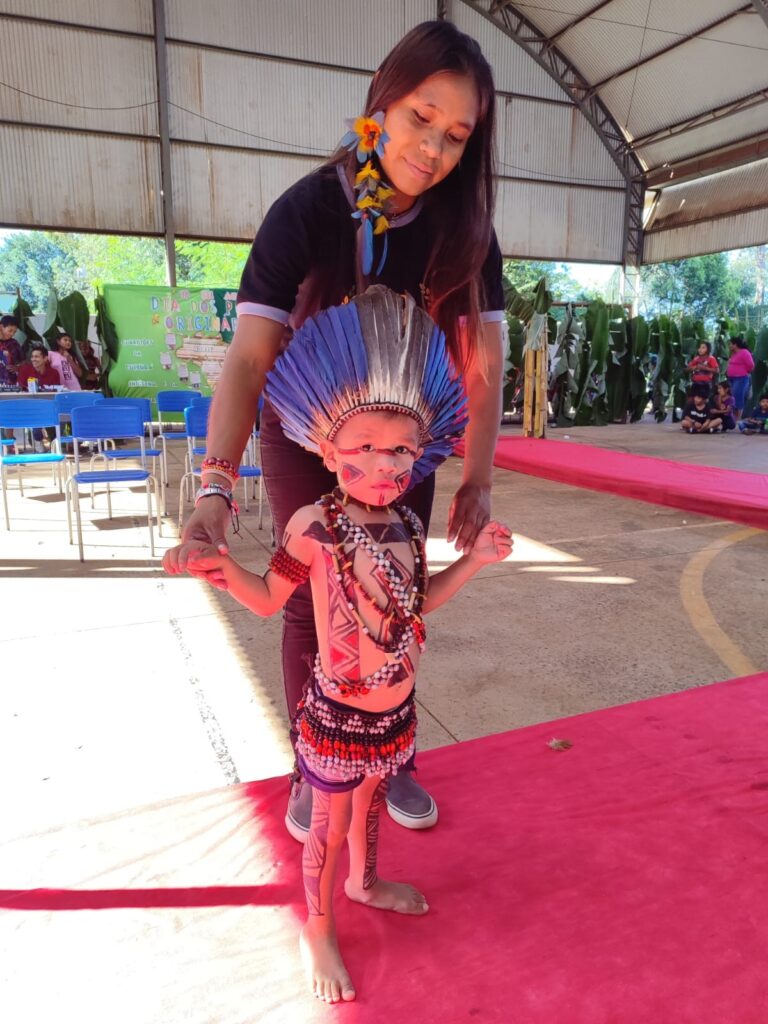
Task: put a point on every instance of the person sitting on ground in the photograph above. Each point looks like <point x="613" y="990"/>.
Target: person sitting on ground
<point x="90" y="380"/>
<point x="10" y="348"/>
<point x="722" y="403"/>
<point x="63" y="359"/>
<point x="699" y="417"/>
<point x="739" y="371"/>
<point x="369" y="387"/>
<point x="757" y="421"/>
<point x="704" y="370"/>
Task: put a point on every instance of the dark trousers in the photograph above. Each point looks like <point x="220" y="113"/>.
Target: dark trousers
<point x="293" y="478"/>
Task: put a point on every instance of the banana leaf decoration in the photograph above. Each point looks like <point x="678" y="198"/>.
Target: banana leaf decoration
<point x="618" y="371"/>
<point x="26" y="335"/>
<point x="564" y="373"/>
<point x="110" y="344"/>
<point x="760" y="373"/>
<point x="640" y="367"/>
<point x="592" y="407"/>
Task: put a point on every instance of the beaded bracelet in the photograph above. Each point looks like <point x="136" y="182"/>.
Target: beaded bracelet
<point x="288" y="567"/>
<point x="223" y="466"/>
<point x="226" y="494"/>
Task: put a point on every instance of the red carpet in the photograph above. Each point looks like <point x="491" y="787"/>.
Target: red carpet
<point x="621" y="881"/>
<point x="706" y="490"/>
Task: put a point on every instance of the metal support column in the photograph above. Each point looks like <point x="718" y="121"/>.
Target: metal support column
<point x="166" y="184"/>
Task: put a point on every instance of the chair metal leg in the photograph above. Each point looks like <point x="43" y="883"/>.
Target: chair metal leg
<point x="5" y="495"/>
<point x="109" y="501"/>
<point x="68" y="498"/>
<point x="261" y="502"/>
<point x="149" y="518"/>
<point x="76" y="498"/>
<point x="20" y="475"/>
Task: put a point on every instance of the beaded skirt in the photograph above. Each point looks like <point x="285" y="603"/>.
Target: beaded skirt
<point x="341" y="743"/>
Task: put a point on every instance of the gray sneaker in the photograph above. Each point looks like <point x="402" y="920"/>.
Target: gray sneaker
<point x="409" y="804"/>
<point x="299" y="814"/>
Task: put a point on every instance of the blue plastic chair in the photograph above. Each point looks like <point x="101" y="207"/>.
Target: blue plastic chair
<point x="28" y="414"/>
<point x="66" y="401"/>
<point x="95" y="424"/>
<point x="196" y="423"/>
<point x="174" y="401"/>
<point x="113" y="454"/>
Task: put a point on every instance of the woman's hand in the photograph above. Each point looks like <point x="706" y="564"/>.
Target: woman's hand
<point x="207" y="526"/>
<point x="470" y="511"/>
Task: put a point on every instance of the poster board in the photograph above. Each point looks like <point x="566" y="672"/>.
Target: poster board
<point x="169" y="338"/>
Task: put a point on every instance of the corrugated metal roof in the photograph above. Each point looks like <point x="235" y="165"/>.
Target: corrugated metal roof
<point x="238" y="96"/>
<point x="513" y="69"/>
<point x="545" y="142"/>
<point x="733" y="232"/>
<point x="81" y="79"/>
<point x="736" y="189"/>
<point x="209" y="197"/>
<point x="133" y="16"/>
<point x="557" y="223"/>
<point x="105" y="184"/>
<point x="708" y="136"/>
<point x="341" y="33"/>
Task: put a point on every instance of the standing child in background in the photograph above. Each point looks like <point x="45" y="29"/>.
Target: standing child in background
<point x="757" y="421"/>
<point x="368" y="386"/>
<point x="704" y="370"/>
<point x="722" y="404"/>
<point x="64" y="360"/>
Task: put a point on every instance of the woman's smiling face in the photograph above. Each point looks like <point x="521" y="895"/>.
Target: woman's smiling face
<point x="428" y="132"/>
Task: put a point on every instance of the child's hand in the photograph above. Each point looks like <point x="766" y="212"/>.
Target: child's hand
<point x="492" y="544"/>
<point x="207" y="563"/>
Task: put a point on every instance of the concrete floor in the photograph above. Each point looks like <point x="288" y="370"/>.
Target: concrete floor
<point x="122" y="687"/>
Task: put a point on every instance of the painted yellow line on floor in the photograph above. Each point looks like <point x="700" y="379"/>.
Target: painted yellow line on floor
<point x="699" y="612"/>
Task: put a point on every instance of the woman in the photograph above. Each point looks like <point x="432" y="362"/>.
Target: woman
<point x="436" y="92"/>
<point x="63" y="359"/>
<point x="739" y="372"/>
<point x="92" y="366"/>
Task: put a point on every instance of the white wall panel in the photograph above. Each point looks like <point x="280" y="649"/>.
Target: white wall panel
<point x="128" y="15"/>
<point x="221" y="193"/>
<point x="556" y="223"/>
<point x="84" y="79"/>
<point x="546" y="141"/>
<point x="72" y="182"/>
<point x="344" y="32"/>
<point x="264" y="103"/>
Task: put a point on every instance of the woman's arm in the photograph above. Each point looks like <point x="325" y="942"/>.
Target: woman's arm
<point x="471" y="507"/>
<point x="251" y="355"/>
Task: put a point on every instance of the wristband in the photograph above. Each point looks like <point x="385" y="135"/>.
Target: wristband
<point x="226" y="494"/>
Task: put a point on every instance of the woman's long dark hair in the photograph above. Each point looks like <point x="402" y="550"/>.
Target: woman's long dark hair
<point x="461" y="206"/>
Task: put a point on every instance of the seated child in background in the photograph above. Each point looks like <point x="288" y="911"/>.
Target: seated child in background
<point x="756" y="422"/>
<point x="699" y="417"/>
<point x="722" y="403"/>
<point x="368" y="386"/>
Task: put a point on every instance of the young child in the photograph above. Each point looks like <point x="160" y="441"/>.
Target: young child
<point x="704" y="370"/>
<point x="699" y="417"/>
<point x="368" y="386"/>
<point x="757" y="422"/>
<point x="723" y="405"/>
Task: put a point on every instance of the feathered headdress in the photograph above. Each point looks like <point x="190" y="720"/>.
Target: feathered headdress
<point x="378" y="352"/>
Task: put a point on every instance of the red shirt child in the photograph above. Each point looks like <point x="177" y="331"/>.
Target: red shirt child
<point x="38" y="368"/>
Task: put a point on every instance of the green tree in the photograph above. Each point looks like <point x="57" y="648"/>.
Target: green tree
<point x="703" y="287"/>
<point x="524" y="274"/>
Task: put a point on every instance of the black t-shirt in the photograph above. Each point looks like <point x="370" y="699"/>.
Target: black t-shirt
<point x="310" y="226"/>
<point x="696" y="414"/>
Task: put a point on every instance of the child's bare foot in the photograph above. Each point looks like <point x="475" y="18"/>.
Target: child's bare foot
<point x="329" y="979"/>
<point x="397" y="896"/>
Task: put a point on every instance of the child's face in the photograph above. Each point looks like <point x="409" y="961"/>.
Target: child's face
<point x="699" y="401"/>
<point x="373" y="456"/>
<point x="764" y="404"/>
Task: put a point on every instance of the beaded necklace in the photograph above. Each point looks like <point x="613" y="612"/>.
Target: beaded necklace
<point x="404" y="623"/>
